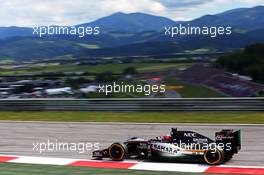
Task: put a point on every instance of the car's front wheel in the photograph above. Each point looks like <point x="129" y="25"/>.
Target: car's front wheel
<point x="117" y="152"/>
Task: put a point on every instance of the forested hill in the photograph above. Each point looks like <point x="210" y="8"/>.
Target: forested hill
<point x="249" y="62"/>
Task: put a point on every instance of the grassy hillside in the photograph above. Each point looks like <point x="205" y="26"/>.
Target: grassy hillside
<point x="28" y="48"/>
<point x="115" y="68"/>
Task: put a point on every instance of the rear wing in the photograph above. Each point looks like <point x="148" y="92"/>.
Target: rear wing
<point x="229" y="137"/>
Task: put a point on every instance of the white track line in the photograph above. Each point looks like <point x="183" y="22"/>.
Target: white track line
<point x="193" y="168"/>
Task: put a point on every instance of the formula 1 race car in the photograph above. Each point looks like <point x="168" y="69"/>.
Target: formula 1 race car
<point x="177" y="146"/>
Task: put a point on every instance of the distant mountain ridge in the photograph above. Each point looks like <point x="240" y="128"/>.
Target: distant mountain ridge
<point x="132" y="22"/>
<point x="6" y="32"/>
<point x="135" y="34"/>
<point x="247" y="19"/>
<point x="243" y="18"/>
<point x="121" y="22"/>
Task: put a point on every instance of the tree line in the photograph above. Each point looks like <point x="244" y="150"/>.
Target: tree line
<point x="248" y="62"/>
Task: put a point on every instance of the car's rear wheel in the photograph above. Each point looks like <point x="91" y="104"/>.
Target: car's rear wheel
<point x="214" y="157"/>
<point x="117" y="152"/>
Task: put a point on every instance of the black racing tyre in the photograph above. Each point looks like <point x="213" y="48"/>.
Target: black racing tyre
<point x="214" y="157"/>
<point x="117" y="152"/>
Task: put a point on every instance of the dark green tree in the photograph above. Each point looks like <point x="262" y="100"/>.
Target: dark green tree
<point x="129" y="71"/>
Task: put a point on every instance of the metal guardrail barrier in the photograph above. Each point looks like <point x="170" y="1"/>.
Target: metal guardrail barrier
<point x="140" y="104"/>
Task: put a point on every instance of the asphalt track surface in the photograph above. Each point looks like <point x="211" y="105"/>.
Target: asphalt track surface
<point x="17" y="138"/>
<point x="134" y="104"/>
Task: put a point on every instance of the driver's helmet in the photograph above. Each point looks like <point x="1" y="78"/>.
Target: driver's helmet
<point x="174" y="133"/>
<point x="167" y="137"/>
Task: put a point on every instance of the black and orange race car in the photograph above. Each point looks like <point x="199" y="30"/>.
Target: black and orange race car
<point x="177" y="146"/>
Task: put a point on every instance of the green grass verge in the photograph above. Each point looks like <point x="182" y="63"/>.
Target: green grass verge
<point x="161" y="117"/>
<point x="28" y="169"/>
